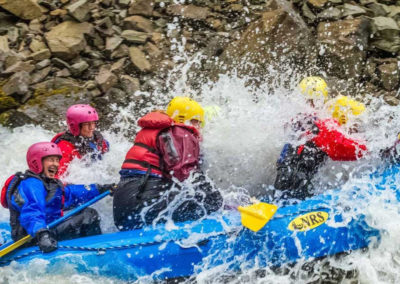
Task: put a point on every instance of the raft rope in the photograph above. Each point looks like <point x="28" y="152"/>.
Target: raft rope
<point x="79" y="248"/>
<point x="103" y="250"/>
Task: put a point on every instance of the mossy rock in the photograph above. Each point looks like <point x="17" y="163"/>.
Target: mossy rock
<point x="13" y="118"/>
<point x="6" y="102"/>
<point x="41" y="94"/>
<point x="47" y="107"/>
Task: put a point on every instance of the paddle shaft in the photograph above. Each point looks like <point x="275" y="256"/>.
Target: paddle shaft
<point x="10" y="246"/>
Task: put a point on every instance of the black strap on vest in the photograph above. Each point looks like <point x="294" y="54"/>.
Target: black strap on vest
<point x="142" y="163"/>
<point x="19" y="176"/>
<point x="80" y="143"/>
<point x="143" y="183"/>
<point x="13" y="186"/>
<point x="147" y="147"/>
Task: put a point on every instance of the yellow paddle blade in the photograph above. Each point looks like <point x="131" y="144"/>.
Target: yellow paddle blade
<point x="257" y="215"/>
<point x="15" y="245"/>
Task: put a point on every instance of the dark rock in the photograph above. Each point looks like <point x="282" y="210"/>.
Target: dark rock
<point x="278" y="38"/>
<point x="60" y="63"/>
<point x="13" y="34"/>
<point x="37" y="44"/>
<point x="17" y="84"/>
<point x="142" y="7"/>
<point x="378" y="9"/>
<point x="113" y="42"/>
<point x="139" y="60"/>
<point x="105" y="79"/>
<point x="7" y="22"/>
<point x="370" y="70"/>
<point x="157" y="38"/>
<point x="4" y="44"/>
<point x="69" y="84"/>
<point x="135" y="36"/>
<point x="384" y="23"/>
<point x="121" y="51"/>
<point x="330" y="14"/>
<point x="67" y="40"/>
<point x="308" y="13"/>
<point x="63" y="73"/>
<point x="189" y="11"/>
<point x="78" y="68"/>
<point x="153" y="51"/>
<point x="343" y="46"/>
<point x="35" y="26"/>
<point x="386" y="34"/>
<point x="124" y="3"/>
<point x="105" y="26"/>
<point x="118" y="67"/>
<point x="49" y="104"/>
<point x="130" y="84"/>
<point x="352" y="10"/>
<point x="58" y="12"/>
<point x="7" y="102"/>
<point x="97" y="41"/>
<point x="42" y="64"/>
<point x="41" y="55"/>
<point x="40" y="75"/>
<point x="19" y="66"/>
<point x="318" y="4"/>
<point x="138" y="23"/>
<point x="24" y="9"/>
<point x="117" y="96"/>
<point x="389" y="76"/>
<point x="391" y="100"/>
<point x="79" y="10"/>
<point x="394" y="12"/>
<point x="13" y="118"/>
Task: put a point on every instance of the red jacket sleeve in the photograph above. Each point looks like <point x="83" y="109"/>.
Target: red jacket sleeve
<point x="335" y="144"/>
<point x="68" y="154"/>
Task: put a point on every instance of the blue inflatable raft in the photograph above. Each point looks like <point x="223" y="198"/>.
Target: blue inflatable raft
<point x="321" y="226"/>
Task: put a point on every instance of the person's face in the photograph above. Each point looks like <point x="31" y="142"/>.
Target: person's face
<point x="196" y="123"/>
<point x="50" y="166"/>
<point x="87" y="128"/>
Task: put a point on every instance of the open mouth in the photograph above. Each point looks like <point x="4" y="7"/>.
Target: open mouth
<point x="53" y="170"/>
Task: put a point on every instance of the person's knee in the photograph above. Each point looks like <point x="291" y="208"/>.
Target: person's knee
<point x="90" y="216"/>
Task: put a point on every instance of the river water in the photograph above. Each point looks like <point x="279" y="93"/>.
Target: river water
<point x="240" y="146"/>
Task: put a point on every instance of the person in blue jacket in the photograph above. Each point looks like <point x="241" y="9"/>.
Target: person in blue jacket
<point x="36" y="198"/>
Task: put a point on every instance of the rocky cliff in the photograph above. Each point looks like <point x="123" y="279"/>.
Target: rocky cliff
<point x="54" y="53"/>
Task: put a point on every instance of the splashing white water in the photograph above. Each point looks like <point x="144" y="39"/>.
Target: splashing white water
<point x="240" y="147"/>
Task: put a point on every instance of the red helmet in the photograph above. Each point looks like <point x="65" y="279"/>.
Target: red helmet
<point x="37" y="152"/>
<point x="77" y="114"/>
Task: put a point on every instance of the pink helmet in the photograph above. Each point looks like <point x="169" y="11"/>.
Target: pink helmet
<point x="38" y="151"/>
<point x="77" y="114"/>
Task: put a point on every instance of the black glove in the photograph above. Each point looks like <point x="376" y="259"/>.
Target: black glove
<point x="112" y="187"/>
<point x="46" y="240"/>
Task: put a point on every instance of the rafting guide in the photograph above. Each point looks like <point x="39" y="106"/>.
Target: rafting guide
<point x="36" y="198"/>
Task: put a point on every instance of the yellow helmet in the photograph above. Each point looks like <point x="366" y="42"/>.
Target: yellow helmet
<point x="182" y="109"/>
<point x="314" y="87"/>
<point x="343" y="106"/>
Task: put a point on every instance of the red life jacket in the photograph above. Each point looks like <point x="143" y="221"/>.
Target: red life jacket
<point x="74" y="141"/>
<point x="4" y="202"/>
<point x="335" y="144"/>
<point x="144" y="154"/>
